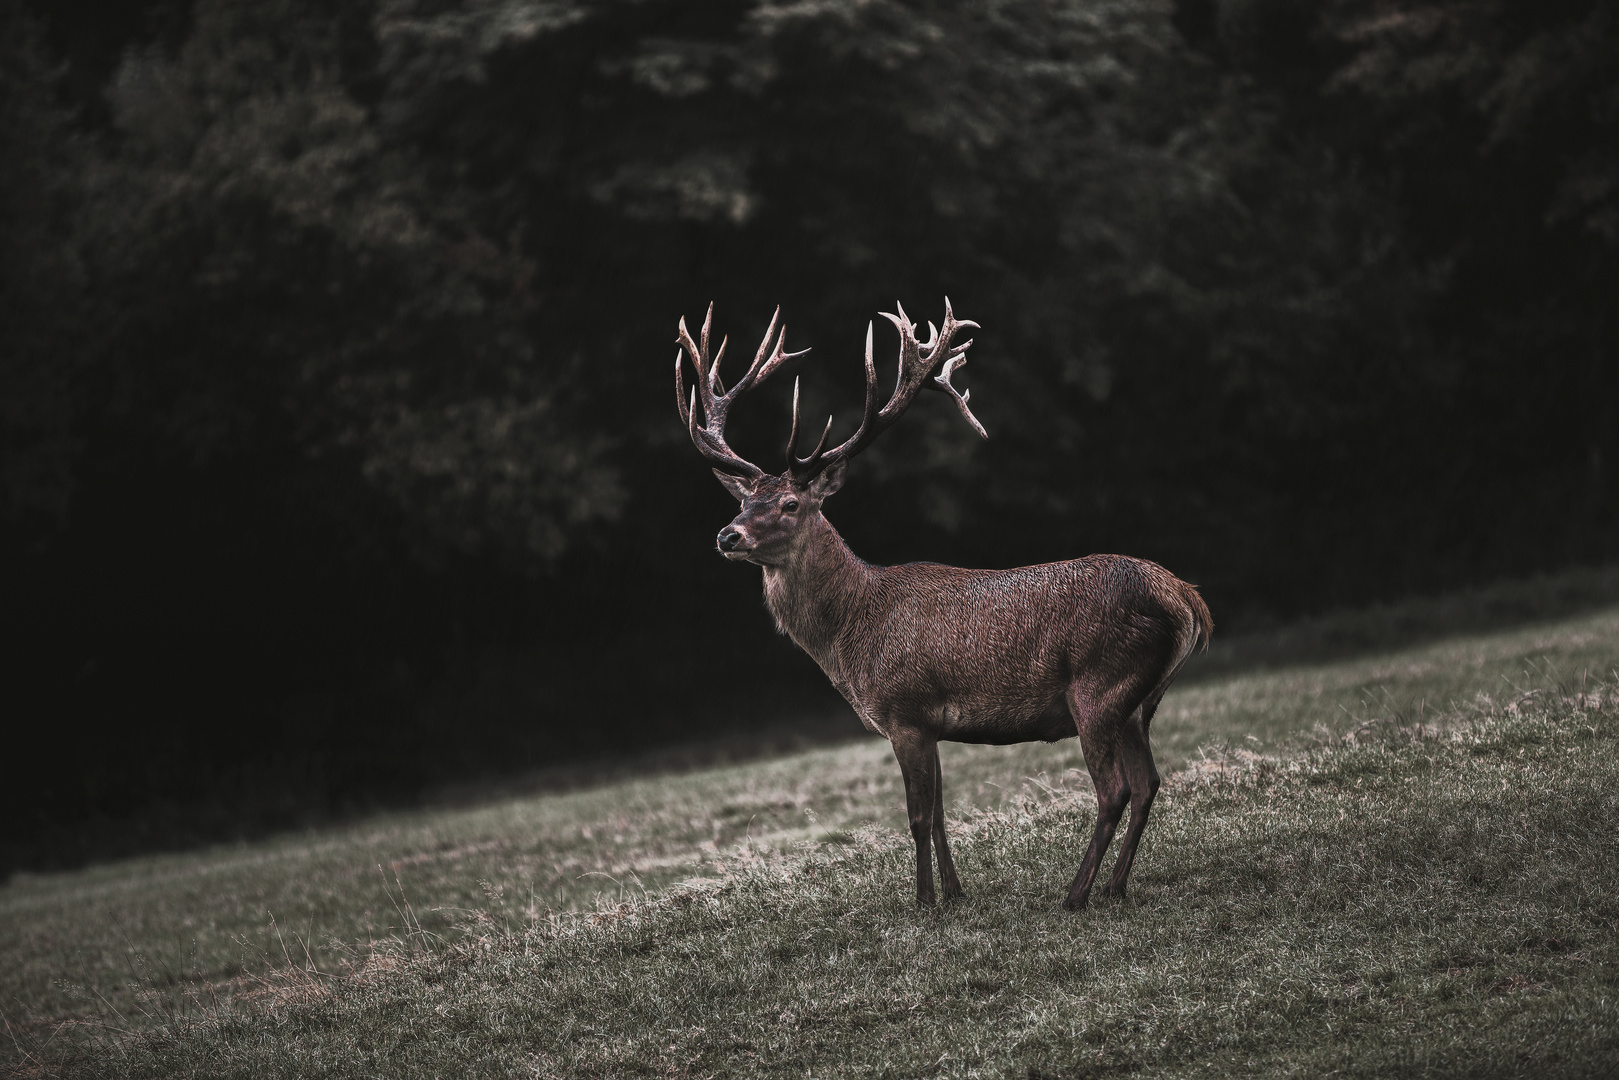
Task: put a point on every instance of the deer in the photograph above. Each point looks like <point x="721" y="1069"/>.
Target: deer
<point x="926" y="653"/>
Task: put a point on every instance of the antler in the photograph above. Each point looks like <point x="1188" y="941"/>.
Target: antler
<point x="917" y="361"/>
<point x="710" y="437"/>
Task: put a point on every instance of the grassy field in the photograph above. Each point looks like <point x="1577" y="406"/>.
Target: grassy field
<point x="1432" y="905"/>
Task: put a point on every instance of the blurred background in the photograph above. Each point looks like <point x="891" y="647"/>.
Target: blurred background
<point x="340" y="460"/>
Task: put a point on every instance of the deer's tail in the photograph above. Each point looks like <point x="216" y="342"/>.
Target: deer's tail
<point x="1201" y="619"/>
<point x="1193" y="637"/>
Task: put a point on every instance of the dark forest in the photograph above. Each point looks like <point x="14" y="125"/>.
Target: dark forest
<point x="340" y="460"/>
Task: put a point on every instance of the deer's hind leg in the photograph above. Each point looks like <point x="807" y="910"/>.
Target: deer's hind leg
<point x="1099" y="723"/>
<point x="1141" y="778"/>
<point x="1112" y="733"/>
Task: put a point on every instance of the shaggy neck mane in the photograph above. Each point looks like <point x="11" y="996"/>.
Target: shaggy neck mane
<point x="817" y="590"/>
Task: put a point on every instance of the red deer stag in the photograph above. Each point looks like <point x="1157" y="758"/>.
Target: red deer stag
<point x="926" y="652"/>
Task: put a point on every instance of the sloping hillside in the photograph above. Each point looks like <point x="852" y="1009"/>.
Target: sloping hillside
<point x="1406" y="903"/>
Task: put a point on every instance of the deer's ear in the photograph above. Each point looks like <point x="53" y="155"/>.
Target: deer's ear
<point x="829" y="480"/>
<point x="739" y="486"/>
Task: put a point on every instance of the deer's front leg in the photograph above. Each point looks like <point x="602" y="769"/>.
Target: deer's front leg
<point x="916" y="754"/>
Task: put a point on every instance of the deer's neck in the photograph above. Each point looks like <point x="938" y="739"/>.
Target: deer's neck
<point x="817" y="592"/>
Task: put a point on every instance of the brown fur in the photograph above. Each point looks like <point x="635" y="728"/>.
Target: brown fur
<point x="927" y="653"/>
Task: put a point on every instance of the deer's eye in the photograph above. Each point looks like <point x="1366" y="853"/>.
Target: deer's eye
<point x="790" y="506"/>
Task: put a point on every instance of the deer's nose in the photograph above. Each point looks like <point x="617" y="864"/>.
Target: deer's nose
<point x="729" y="539"/>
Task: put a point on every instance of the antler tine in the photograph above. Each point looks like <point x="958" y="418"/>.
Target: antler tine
<point x="792" y="435"/>
<point x="697" y="433"/>
<point x="714" y="368"/>
<point x="869" y="413"/>
<point x="780" y="357"/>
<point x="950" y="317"/>
<point x="680" y="386"/>
<point x="698" y="354"/>
<point x="942" y="381"/>
<point x="767" y="359"/>
<point x="764" y="347"/>
<point x="820" y="444"/>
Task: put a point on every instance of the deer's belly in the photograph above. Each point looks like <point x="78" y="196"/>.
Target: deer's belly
<point x="999" y="723"/>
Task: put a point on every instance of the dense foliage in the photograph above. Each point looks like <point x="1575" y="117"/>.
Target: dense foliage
<point x="334" y="364"/>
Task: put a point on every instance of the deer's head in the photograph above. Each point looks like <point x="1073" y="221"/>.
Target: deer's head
<point x="774" y="514"/>
<point x="778" y="508"/>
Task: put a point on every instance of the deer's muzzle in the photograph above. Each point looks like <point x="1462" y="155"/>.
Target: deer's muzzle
<point x="733" y="543"/>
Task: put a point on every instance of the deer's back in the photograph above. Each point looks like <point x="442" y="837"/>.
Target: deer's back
<point x="991" y="653"/>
